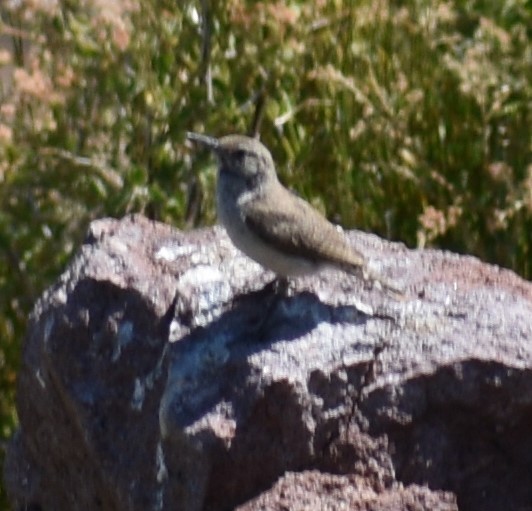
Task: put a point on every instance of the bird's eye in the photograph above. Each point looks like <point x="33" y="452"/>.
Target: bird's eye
<point x="240" y="154"/>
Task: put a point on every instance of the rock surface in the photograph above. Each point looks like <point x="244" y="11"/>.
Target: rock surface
<point x="161" y="372"/>
<point x="306" y="491"/>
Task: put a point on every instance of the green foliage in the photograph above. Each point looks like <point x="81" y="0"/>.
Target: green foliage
<point x="410" y="119"/>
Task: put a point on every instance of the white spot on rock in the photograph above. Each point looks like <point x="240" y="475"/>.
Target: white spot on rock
<point x="173" y="252"/>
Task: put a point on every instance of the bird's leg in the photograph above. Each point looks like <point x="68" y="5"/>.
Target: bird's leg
<point x="274" y="291"/>
<point x="278" y="286"/>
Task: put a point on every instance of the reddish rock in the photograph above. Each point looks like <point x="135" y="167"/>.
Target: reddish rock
<point x="312" y="491"/>
<point x="159" y="373"/>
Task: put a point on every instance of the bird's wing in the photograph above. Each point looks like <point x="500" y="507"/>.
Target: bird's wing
<point x="296" y="228"/>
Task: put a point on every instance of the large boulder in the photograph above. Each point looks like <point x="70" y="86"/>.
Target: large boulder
<point x="163" y="372"/>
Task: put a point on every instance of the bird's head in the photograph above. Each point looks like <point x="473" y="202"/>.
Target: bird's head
<point x="241" y="156"/>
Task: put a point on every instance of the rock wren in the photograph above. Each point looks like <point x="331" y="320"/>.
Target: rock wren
<point x="266" y="221"/>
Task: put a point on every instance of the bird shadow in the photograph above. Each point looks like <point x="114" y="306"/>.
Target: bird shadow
<point x="274" y="315"/>
<point x="254" y="322"/>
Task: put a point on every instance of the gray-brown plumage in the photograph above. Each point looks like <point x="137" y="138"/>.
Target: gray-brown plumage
<point x="266" y="221"/>
<point x="295" y="228"/>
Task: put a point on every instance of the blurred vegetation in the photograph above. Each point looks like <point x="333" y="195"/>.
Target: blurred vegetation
<point x="410" y="119"/>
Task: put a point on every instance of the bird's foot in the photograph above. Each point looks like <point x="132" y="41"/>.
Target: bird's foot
<point x="279" y="286"/>
<point x="274" y="293"/>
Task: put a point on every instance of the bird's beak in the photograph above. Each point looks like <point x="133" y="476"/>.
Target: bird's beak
<point x="206" y="141"/>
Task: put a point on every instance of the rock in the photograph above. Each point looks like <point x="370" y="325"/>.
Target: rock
<point x="312" y="490"/>
<point x="161" y="372"/>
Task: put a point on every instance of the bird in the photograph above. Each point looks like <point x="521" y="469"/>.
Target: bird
<point x="269" y="223"/>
